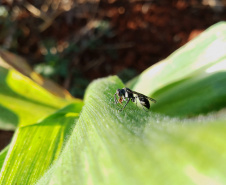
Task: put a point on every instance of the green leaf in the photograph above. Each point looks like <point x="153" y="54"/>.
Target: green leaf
<point x="24" y="102"/>
<point x="3" y="155"/>
<point x="133" y="146"/>
<point x="191" y="80"/>
<point x="9" y="60"/>
<point x="35" y="147"/>
<point x="193" y="96"/>
<point x="138" y="147"/>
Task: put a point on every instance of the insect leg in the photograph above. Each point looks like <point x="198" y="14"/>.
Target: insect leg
<point x="134" y="99"/>
<point x="116" y="101"/>
<point x="144" y="108"/>
<point x="125" y="105"/>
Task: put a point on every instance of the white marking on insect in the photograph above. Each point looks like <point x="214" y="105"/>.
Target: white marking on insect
<point x="126" y="94"/>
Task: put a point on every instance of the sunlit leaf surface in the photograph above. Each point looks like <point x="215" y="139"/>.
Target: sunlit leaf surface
<point x="138" y="147"/>
<point x="3" y="155"/>
<point x="35" y="147"/>
<point x="12" y="61"/>
<point x="169" y="144"/>
<point x="191" y="80"/>
<point x="22" y="101"/>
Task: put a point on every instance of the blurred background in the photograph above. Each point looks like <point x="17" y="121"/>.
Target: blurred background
<point x="74" y="42"/>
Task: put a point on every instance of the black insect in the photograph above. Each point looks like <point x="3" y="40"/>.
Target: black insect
<point x="126" y="94"/>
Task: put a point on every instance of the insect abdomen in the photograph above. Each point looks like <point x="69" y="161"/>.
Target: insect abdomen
<point x="144" y="102"/>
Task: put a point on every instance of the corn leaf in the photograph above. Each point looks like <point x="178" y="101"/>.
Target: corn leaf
<point x="133" y="146"/>
<point x="23" y="102"/>
<point x="3" y="155"/>
<point x="35" y="147"/>
<point x="12" y="61"/>
<point x="139" y="147"/>
<point x="191" y="80"/>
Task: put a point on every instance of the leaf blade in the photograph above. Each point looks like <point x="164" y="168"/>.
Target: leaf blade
<point x="35" y="147"/>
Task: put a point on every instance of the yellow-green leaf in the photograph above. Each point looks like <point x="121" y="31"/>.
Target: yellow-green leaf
<point x="138" y="147"/>
<point x="24" y="102"/>
<point x="191" y="80"/>
<point x="35" y="147"/>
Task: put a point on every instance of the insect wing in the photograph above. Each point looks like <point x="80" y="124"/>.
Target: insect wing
<point x="140" y="95"/>
<point x="153" y="100"/>
<point x="144" y="101"/>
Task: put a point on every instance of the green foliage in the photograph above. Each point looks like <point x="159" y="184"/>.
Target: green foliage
<point x="3" y="154"/>
<point x="193" y="96"/>
<point x="23" y="101"/>
<point x="95" y="143"/>
<point x="38" y="145"/>
<point x="138" y="147"/>
<point x="191" y="80"/>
